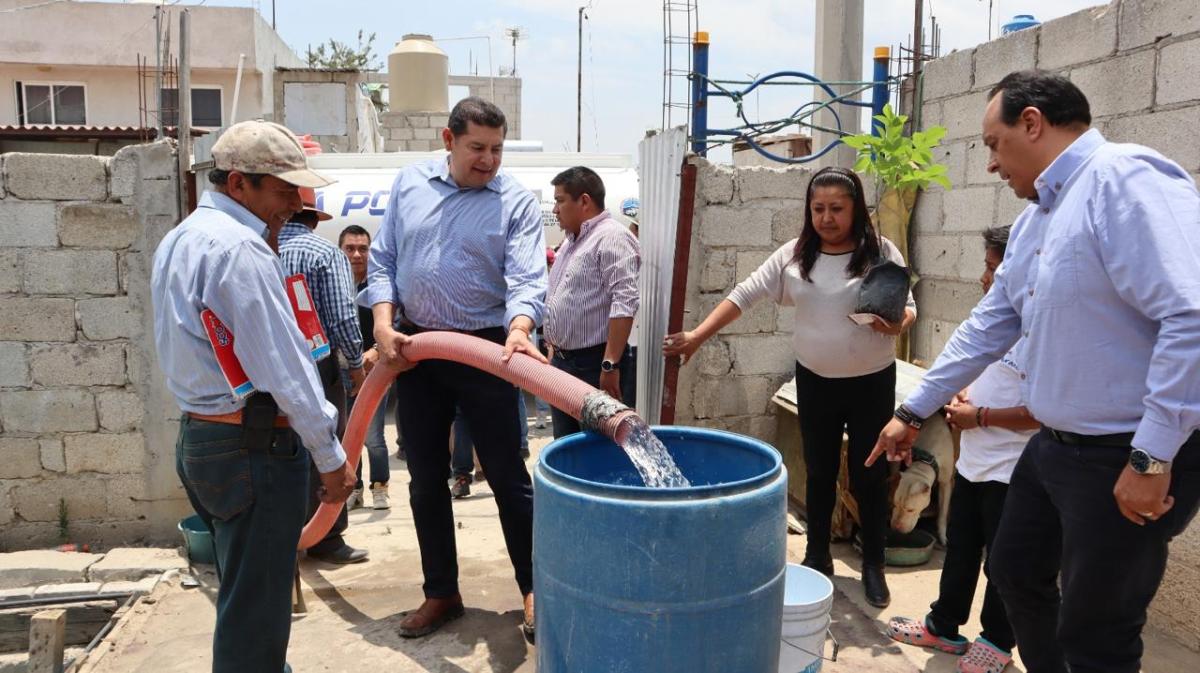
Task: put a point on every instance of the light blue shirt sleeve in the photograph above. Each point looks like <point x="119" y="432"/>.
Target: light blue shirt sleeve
<point x="525" y="264"/>
<point x="381" y="258"/>
<point x="991" y="330"/>
<point x="245" y="291"/>
<point x="1148" y="228"/>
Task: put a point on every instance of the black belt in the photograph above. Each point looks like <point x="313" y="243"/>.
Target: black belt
<point x="572" y="353"/>
<point x="1120" y="439"/>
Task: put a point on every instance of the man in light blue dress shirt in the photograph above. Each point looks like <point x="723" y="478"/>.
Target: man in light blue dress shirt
<point x="243" y="469"/>
<point x="460" y="248"/>
<point x="1102" y="278"/>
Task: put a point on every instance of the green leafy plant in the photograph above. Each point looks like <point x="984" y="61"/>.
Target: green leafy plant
<point x="340" y="56"/>
<point x="63" y="521"/>
<point x="898" y="161"/>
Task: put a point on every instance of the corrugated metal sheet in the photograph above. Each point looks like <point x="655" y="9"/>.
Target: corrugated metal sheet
<point x="661" y="160"/>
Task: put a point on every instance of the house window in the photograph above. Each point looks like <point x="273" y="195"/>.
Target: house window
<point x="48" y="103"/>
<point x="206" y="107"/>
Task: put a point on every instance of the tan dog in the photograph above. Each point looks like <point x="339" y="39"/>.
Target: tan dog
<point x="912" y="494"/>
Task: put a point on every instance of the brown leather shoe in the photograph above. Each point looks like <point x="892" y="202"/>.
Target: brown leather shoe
<point x="430" y="617"/>
<point x="527" y="625"/>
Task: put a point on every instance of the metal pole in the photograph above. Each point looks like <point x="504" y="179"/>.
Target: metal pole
<point x="237" y="91"/>
<point x="272" y="14"/>
<point x="700" y="93"/>
<point x="579" y="89"/>
<point x="918" y="38"/>
<point x="184" y="123"/>
<point x="879" y="92"/>
<point x="158" y="124"/>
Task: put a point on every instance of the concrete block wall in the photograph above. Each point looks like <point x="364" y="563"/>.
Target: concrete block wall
<point x="742" y="215"/>
<point x="413" y="131"/>
<point x="84" y="420"/>
<point x="503" y="91"/>
<point x="1137" y="62"/>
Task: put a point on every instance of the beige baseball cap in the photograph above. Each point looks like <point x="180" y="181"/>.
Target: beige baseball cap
<point x="267" y="148"/>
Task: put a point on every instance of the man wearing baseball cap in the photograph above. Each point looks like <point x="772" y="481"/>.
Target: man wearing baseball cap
<point x="243" y="459"/>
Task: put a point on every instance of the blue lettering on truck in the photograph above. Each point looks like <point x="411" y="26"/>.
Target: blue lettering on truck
<point x="375" y="203"/>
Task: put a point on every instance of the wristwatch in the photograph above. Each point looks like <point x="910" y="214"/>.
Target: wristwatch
<point x="907" y="417"/>
<point x="1143" y="463"/>
<point x="608" y="366"/>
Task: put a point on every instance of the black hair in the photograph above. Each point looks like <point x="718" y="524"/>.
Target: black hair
<point x="475" y="110"/>
<point x="580" y="180"/>
<point x="220" y="177"/>
<point x="996" y="238"/>
<point x="353" y="230"/>
<point x="866" y="249"/>
<point x="1058" y="99"/>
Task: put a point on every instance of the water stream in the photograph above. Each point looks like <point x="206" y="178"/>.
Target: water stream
<point x="651" y="458"/>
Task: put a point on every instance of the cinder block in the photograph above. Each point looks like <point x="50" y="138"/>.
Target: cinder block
<point x="57" y="177"/>
<point x="39" y="501"/>
<point x="715" y="182"/>
<point x="954" y="157"/>
<point x="401" y="133"/>
<point x="134" y="163"/>
<point x="1009" y="53"/>
<point x="963" y="115"/>
<point x="392" y="145"/>
<point x="744" y="395"/>
<point x="430" y="134"/>
<point x="73" y="272"/>
<point x="1084" y="36"/>
<point x="949" y="75"/>
<point x="51" y="451"/>
<point x="760" y="319"/>
<point x="37" y="567"/>
<point x="761" y="354"/>
<point x="27" y="225"/>
<point x="756" y="182"/>
<point x="108" y="454"/>
<point x="78" y="364"/>
<point x="977" y="163"/>
<point x="19" y="458"/>
<point x="120" y="411"/>
<point x="14" y="364"/>
<point x="931" y="114"/>
<point x="41" y="319"/>
<point x="1164" y="131"/>
<point x="942" y="331"/>
<point x="109" y="318"/>
<point x="937" y="256"/>
<point x="736" y="226"/>
<point x="927" y="213"/>
<point x="97" y="225"/>
<point x="717" y="274"/>
<point x="439" y="121"/>
<point x="968" y="209"/>
<point x="1148" y="21"/>
<point x="10" y="270"/>
<point x="713" y="358"/>
<point x="787" y="223"/>
<point x="127" y="498"/>
<point x="948" y="300"/>
<point x="1179" y="73"/>
<point x="135" y="563"/>
<point x="418" y="120"/>
<point x="1118" y="85"/>
<point x="45" y="411"/>
<point x="971" y="264"/>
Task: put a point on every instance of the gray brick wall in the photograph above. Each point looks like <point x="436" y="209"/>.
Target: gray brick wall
<point x="84" y="417"/>
<point x="1137" y="61"/>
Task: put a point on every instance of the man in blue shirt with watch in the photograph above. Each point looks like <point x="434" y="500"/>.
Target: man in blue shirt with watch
<point x="1101" y="279"/>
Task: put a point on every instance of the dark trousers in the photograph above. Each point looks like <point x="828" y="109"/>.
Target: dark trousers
<point x="253" y="503"/>
<point x="426" y="397"/>
<point x="335" y="394"/>
<point x="975" y="513"/>
<point x="584" y="364"/>
<point x="859" y="406"/>
<point x="1061" y="517"/>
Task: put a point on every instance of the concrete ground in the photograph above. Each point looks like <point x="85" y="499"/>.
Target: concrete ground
<point x="353" y="611"/>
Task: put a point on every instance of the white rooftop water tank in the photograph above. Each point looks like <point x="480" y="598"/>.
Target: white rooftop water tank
<point x="418" y="76"/>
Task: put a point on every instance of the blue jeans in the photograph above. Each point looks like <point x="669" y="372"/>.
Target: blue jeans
<point x="253" y="503"/>
<point x="375" y="443"/>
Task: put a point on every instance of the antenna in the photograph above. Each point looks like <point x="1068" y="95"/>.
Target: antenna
<point x="515" y="34"/>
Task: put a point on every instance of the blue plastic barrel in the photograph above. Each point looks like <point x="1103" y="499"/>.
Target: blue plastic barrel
<point x="637" y="579"/>
<point x="1019" y="22"/>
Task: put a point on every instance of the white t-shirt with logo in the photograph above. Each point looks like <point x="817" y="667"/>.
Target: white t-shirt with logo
<point x="990" y="454"/>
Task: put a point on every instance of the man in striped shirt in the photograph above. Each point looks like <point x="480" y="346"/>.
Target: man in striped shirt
<point x="593" y="294"/>
<point x="331" y="284"/>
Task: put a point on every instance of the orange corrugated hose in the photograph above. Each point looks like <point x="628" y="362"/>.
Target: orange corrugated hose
<point x="557" y="387"/>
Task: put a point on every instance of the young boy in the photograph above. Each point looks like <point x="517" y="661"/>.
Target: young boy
<point x="995" y="429"/>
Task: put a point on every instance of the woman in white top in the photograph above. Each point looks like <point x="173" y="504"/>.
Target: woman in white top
<point x="996" y="427"/>
<point x="845" y="372"/>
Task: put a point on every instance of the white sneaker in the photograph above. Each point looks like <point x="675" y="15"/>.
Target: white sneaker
<point x="379" y="496"/>
<point x="355" y="501"/>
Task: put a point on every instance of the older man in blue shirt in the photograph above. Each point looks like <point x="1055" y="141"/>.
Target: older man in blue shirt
<point x="243" y="469"/>
<point x="460" y="248"/>
<point x="1101" y="278"/>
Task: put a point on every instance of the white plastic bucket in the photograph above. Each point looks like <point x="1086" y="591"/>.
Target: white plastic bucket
<point x="807" y="599"/>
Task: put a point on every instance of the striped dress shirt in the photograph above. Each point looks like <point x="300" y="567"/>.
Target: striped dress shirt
<point x="594" y="279"/>
<point x="331" y="283"/>
<point x="456" y="258"/>
<point x="218" y="259"/>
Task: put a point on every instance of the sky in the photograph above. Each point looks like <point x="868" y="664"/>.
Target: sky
<point x="623" y="49"/>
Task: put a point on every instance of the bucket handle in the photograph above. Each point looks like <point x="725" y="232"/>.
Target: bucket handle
<point x="830" y="636"/>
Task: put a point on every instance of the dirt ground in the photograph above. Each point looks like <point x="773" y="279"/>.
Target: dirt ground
<point x="353" y="611"/>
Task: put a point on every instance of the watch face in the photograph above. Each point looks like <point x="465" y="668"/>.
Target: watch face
<point x="1139" y="460"/>
<point x="607" y="365"/>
